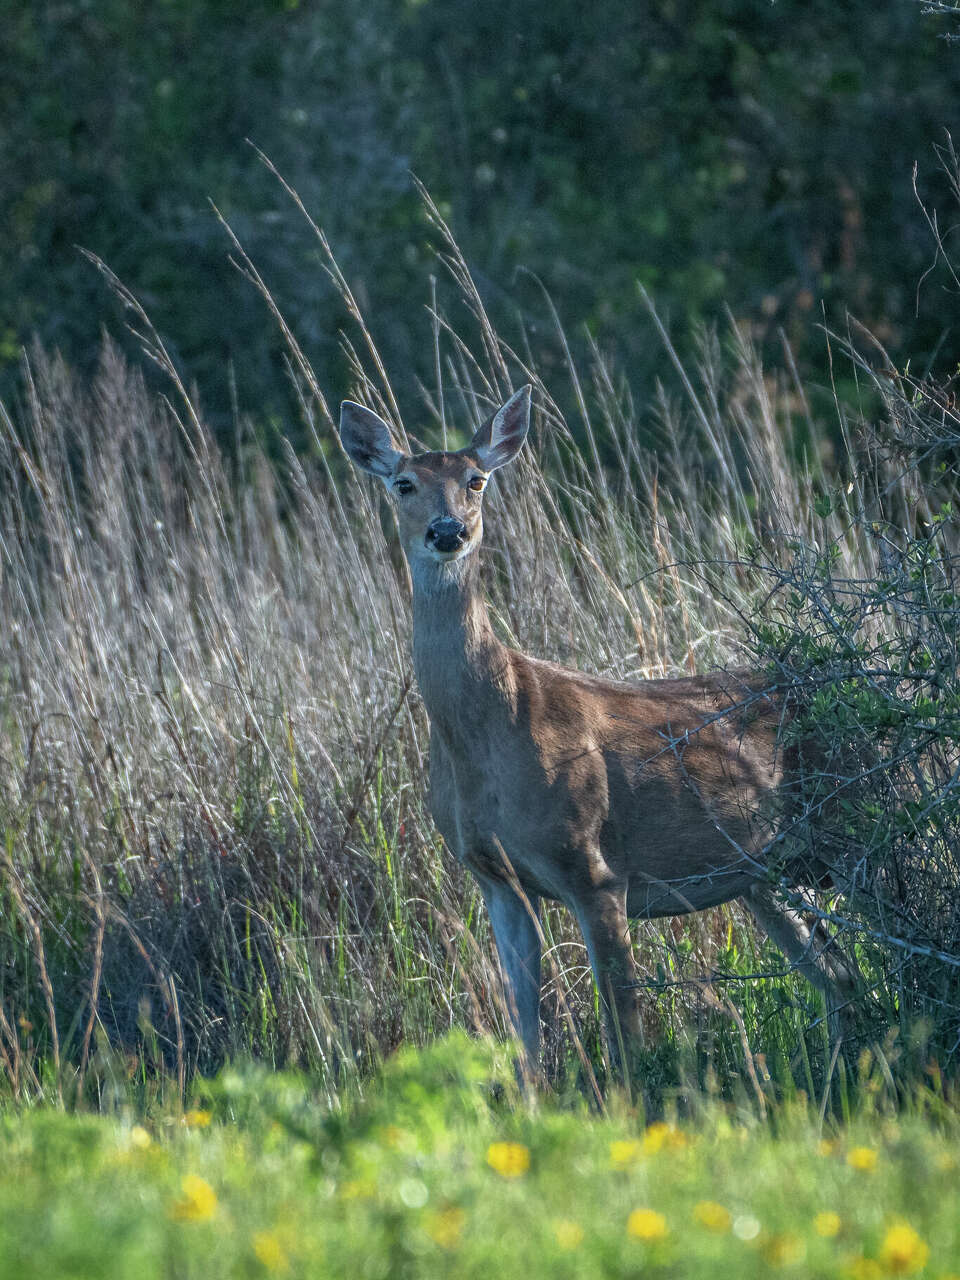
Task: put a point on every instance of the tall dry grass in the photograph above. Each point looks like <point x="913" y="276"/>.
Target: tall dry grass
<point x="212" y="752"/>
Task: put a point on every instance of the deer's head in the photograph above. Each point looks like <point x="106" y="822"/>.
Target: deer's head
<point x="439" y="496"/>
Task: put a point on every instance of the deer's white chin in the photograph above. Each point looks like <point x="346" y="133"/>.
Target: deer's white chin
<point x="445" y="557"/>
<point x="431" y="555"/>
<point x="433" y="570"/>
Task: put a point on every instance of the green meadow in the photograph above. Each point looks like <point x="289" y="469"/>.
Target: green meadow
<point x="437" y="1168"/>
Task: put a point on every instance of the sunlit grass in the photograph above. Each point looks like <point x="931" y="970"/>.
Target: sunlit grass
<point x="441" y="1170"/>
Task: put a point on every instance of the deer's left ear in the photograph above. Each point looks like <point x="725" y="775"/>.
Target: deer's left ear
<point x="499" y="440"/>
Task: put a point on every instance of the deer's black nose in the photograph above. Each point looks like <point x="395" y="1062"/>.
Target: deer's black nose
<point x="446" y="534"/>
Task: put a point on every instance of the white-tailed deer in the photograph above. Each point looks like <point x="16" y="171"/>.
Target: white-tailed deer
<point x="618" y="800"/>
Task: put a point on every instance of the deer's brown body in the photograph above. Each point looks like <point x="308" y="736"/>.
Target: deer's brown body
<point x="618" y="800"/>
<point x="658" y="788"/>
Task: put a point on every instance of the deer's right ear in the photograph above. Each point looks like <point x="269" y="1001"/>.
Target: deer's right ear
<point x="367" y="439"/>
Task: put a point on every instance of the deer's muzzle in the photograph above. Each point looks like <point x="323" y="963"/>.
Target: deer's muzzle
<point x="446" y="534"/>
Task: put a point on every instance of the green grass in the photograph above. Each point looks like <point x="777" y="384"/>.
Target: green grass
<point x="439" y="1169"/>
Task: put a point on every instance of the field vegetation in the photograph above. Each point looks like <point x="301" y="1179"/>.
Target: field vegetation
<point x="216" y="844"/>
<point x="439" y="1170"/>
<point x="216" y="848"/>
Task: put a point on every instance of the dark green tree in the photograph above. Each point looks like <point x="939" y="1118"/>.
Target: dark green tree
<point x="750" y="155"/>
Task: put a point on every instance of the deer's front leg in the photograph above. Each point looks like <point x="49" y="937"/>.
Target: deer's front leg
<point x="602" y="916"/>
<point x="513" y="917"/>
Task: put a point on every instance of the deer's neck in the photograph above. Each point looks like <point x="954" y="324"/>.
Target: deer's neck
<point x="456" y="655"/>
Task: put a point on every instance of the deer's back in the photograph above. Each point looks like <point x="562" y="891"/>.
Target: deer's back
<point x="665" y="784"/>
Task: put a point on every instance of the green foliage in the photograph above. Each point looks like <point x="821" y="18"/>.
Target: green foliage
<point x="754" y="156"/>
<point x="434" y="1173"/>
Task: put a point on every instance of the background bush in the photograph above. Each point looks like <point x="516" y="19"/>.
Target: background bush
<point x="869" y="654"/>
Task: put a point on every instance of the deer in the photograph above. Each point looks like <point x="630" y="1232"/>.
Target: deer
<point x="622" y="801"/>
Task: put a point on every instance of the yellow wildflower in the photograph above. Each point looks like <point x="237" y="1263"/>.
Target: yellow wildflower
<point x="864" y="1269"/>
<point x="624" y="1152"/>
<point x="647" y="1224"/>
<point x="358" y="1189"/>
<point x="864" y="1159"/>
<point x="139" y="1137"/>
<point x="784" y="1250"/>
<point x="659" y="1136"/>
<point x="711" y="1215"/>
<point x="270" y="1251"/>
<point x="569" y="1234"/>
<point x="446" y="1227"/>
<point x="198" y="1203"/>
<point x="197" y="1119"/>
<point x="827" y="1224"/>
<point x="903" y="1251"/>
<point x="394" y="1136"/>
<point x="509" y="1159"/>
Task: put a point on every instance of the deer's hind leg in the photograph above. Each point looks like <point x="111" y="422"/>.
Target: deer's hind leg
<point x="811" y="951"/>
<point x="602" y="916"/>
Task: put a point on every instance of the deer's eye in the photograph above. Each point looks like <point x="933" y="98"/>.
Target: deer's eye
<point x="476" y="484"/>
<point x="403" y="485"/>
